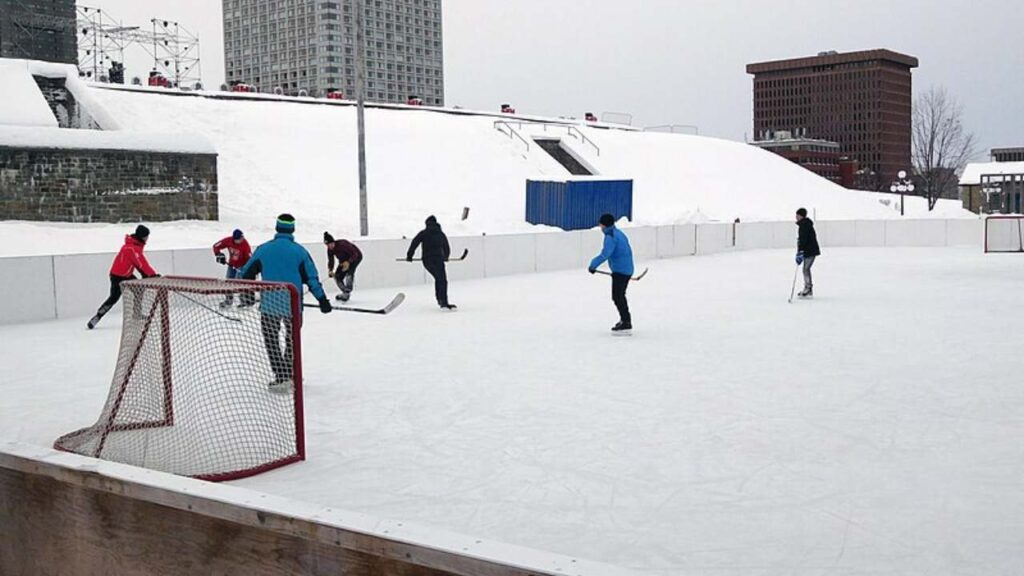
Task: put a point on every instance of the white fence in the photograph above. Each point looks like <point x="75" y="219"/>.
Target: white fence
<point x="37" y="288"/>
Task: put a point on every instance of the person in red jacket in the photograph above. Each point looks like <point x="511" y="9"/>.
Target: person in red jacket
<point x="238" y="255"/>
<point x="128" y="260"/>
<point x="349" y="256"/>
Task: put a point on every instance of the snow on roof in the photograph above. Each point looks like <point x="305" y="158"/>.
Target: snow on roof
<point x="34" y="137"/>
<point x="975" y="170"/>
<point x="21" y="102"/>
<point x="295" y="156"/>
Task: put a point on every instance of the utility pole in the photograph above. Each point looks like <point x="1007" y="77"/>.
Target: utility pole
<point x="364" y="220"/>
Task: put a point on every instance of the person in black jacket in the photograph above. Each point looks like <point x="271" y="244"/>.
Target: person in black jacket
<point x="435" y="253"/>
<point x="349" y="257"/>
<point x="807" y="250"/>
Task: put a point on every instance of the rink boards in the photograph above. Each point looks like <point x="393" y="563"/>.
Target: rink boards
<point x="69" y="286"/>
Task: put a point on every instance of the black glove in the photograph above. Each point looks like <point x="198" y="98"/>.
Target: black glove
<point x="222" y="259"/>
<point x="325" y="306"/>
<point x="408" y="258"/>
<point x="592" y="270"/>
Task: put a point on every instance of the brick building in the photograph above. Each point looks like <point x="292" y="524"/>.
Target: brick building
<point x="39" y="30"/>
<point x="822" y="157"/>
<point x="861" y="100"/>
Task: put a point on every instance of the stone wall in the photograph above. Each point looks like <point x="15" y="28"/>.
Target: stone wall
<point x="70" y="185"/>
<point x="63" y="104"/>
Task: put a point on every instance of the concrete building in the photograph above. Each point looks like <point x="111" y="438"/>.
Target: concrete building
<point x="862" y="100"/>
<point x="308" y="45"/>
<point x="39" y="30"/>
<point x="1015" y="154"/>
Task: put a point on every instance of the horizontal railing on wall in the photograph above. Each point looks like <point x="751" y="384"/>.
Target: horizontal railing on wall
<point x="36" y="288"/>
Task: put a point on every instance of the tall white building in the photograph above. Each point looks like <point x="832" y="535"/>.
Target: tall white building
<point x="309" y="45"/>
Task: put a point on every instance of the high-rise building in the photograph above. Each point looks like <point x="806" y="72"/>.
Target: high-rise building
<point x="308" y="45"/>
<point x="862" y="100"/>
<point x="39" y="30"/>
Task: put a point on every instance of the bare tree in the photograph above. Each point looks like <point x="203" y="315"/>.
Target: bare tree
<point x="942" y="147"/>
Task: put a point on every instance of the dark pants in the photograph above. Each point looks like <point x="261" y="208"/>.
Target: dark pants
<point x="115" y="294"/>
<point x="280" y="362"/>
<point x="619" y="284"/>
<point x="437" y="270"/>
<point x="346" y="281"/>
<point x="231" y="274"/>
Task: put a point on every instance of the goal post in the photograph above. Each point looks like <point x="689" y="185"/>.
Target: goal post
<point x="208" y="380"/>
<point x="1004" y="234"/>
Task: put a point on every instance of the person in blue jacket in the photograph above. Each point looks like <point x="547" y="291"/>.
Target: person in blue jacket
<point x="282" y="260"/>
<point x="619" y="256"/>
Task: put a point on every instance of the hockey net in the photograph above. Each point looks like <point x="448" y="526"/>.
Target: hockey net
<point x="208" y="381"/>
<point x="1004" y="234"/>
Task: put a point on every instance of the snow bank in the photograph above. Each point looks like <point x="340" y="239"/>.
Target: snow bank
<point x="295" y="156"/>
<point x="64" y="138"/>
<point x="21" y="102"/>
<point x="280" y="154"/>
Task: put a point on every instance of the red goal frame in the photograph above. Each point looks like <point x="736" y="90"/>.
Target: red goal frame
<point x="160" y="310"/>
<point x="1020" y="223"/>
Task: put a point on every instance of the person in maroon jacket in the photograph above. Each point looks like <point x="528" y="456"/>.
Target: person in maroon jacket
<point x="238" y="255"/>
<point x="349" y="256"/>
<point x="128" y="260"/>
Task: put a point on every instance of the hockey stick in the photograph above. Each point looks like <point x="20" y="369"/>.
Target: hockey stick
<point x="395" y="303"/>
<point x="792" y="291"/>
<point x="634" y="279"/>
<point x="217" y="312"/>
<point x="459" y="259"/>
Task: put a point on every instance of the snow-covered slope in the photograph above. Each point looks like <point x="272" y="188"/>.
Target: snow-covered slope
<point x="21" y="102"/>
<point x="291" y="156"/>
<point x="298" y="155"/>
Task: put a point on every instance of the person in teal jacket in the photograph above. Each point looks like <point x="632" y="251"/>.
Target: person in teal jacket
<point x="619" y="256"/>
<point x="283" y="260"/>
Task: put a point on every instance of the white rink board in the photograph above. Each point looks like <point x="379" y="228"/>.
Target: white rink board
<point x="79" y="282"/>
<point x="26" y="289"/>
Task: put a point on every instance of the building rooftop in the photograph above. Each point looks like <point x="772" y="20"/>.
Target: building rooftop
<point x="975" y="170"/>
<point x="832" y="58"/>
<point x="795" y="142"/>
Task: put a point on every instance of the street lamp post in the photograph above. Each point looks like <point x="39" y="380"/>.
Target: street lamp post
<point x="364" y="219"/>
<point x="903" y="186"/>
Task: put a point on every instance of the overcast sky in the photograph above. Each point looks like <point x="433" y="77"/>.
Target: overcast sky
<point x="682" y="61"/>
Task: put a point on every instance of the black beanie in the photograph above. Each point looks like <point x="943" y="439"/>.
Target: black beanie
<point x="431" y="220"/>
<point x="141" y="233"/>
<point x="607" y="220"/>
<point x="328" y="238"/>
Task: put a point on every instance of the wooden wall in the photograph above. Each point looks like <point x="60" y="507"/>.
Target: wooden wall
<point x="72" y="521"/>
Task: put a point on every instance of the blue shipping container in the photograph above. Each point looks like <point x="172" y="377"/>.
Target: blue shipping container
<point x="577" y="205"/>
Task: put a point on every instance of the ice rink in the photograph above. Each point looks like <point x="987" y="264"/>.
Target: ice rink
<point x="874" y="430"/>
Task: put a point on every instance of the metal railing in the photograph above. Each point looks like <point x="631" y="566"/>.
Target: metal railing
<point x="512" y="133"/>
<point x="571" y="130"/>
<point x="675" y="129"/>
<point x="577" y="133"/>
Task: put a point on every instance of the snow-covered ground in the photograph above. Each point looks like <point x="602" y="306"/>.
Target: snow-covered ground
<point x="298" y="155"/>
<point x="875" y="430"/>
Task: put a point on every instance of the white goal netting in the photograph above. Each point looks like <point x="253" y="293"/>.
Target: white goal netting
<point x="208" y="381"/>
<point x="1004" y="234"/>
